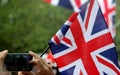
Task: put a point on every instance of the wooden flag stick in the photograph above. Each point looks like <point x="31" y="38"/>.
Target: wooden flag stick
<point x="45" y="51"/>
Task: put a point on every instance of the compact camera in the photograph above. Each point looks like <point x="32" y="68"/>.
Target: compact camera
<point x="18" y="62"/>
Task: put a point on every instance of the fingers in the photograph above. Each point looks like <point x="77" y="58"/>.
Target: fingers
<point x="24" y="73"/>
<point x="42" y="67"/>
<point x="3" y="55"/>
<point x="37" y="60"/>
<point x="20" y="73"/>
<point x="34" y="55"/>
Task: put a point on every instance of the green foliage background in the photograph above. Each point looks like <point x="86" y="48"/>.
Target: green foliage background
<point x="29" y="24"/>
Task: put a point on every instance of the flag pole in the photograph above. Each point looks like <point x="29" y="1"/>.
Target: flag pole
<point x="44" y="51"/>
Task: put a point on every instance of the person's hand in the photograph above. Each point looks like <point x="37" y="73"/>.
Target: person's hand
<point x="40" y="66"/>
<point x="25" y="73"/>
<point x="2" y="56"/>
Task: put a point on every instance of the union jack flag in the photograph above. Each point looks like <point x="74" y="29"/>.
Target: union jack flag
<point x="108" y="9"/>
<point x="84" y="46"/>
<point x="69" y="4"/>
<point x="109" y="12"/>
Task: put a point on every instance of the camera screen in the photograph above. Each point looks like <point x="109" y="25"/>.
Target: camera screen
<point x="18" y="62"/>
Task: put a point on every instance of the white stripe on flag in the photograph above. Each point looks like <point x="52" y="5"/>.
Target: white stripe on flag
<point x="55" y="2"/>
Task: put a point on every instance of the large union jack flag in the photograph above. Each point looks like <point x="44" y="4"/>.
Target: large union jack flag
<point x="108" y="9"/>
<point x="84" y="46"/>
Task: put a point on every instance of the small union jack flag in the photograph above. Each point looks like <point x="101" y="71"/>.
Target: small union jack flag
<point x="69" y="4"/>
<point x="108" y="8"/>
<point x="84" y="46"/>
<point x="109" y="12"/>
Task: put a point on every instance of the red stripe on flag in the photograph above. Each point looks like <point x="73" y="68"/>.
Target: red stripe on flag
<point x="50" y="57"/>
<point x="57" y="41"/>
<point x="78" y="3"/>
<point x="48" y="1"/>
<point x="73" y="16"/>
<point x="89" y="13"/>
<point x="108" y="64"/>
<point x="81" y="73"/>
<point x="107" y="11"/>
<point x="67" y="40"/>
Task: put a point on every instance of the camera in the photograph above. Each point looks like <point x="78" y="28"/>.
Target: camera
<point x="18" y="62"/>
